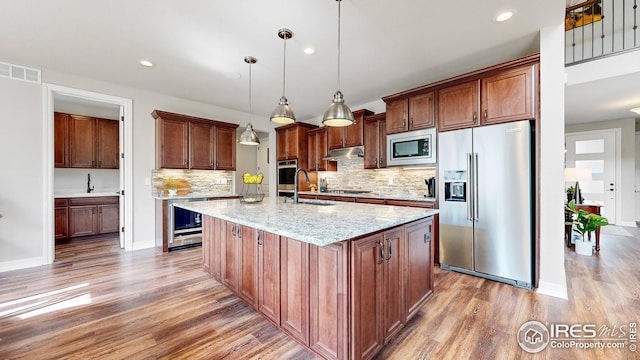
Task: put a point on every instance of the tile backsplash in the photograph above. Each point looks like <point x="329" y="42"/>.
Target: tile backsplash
<point x="201" y="181"/>
<point x="395" y="181"/>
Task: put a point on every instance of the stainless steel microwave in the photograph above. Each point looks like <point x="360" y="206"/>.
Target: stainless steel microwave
<point x="412" y="148"/>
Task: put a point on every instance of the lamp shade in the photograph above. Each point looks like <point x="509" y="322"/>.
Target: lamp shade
<point x="577" y="174"/>
<point x="338" y="114"/>
<point x="249" y="137"/>
<point x="283" y="113"/>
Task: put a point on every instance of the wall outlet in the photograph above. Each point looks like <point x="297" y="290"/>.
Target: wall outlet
<point x="223" y="181"/>
<point x="147" y="181"/>
<point x="390" y="181"/>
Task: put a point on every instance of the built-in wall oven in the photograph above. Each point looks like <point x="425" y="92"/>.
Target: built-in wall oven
<point x="185" y="227"/>
<point x="286" y="177"/>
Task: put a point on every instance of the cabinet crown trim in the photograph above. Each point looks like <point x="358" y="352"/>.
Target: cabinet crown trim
<point x="180" y="117"/>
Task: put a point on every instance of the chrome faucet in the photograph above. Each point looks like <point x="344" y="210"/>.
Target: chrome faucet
<point x="295" y="183"/>
<point x="89" y="187"/>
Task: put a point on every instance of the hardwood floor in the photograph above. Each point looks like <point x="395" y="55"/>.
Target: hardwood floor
<point x="99" y="302"/>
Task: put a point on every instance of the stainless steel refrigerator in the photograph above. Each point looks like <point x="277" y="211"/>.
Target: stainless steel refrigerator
<point x="486" y="202"/>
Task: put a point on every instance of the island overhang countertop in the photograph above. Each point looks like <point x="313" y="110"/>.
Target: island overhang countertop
<point x="316" y="222"/>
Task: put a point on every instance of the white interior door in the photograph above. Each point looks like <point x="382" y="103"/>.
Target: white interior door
<point x="597" y="151"/>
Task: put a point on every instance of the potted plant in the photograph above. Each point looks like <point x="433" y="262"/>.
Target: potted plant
<point x="313" y="187"/>
<point x="171" y="186"/>
<point x="585" y="222"/>
<point x="570" y="192"/>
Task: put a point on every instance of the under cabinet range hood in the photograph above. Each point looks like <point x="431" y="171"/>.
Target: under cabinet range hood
<point x="345" y="153"/>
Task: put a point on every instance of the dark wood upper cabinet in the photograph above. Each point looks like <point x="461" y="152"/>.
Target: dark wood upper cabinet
<point x="225" y="147"/>
<point x="291" y="142"/>
<point x="61" y="140"/>
<point x="412" y="113"/>
<point x="459" y="106"/>
<point x="173" y="144"/>
<point x="107" y="144"/>
<point x="509" y="96"/>
<point x="82" y="142"/>
<point x="348" y="136"/>
<point x="201" y="140"/>
<point x="187" y="142"/>
<point x="375" y="141"/>
<point x="318" y="149"/>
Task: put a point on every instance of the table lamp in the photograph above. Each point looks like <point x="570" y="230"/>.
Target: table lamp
<point x="577" y="175"/>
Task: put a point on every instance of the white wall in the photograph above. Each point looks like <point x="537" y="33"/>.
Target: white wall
<point x="628" y="159"/>
<point x="21" y="178"/>
<point x="550" y="180"/>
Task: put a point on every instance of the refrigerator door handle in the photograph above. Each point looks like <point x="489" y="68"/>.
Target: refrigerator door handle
<point x="475" y="188"/>
<point x="469" y="188"/>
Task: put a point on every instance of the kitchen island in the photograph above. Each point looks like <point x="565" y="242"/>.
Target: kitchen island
<point x="340" y="278"/>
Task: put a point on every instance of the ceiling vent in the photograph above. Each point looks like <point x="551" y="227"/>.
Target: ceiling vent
<point x="18" y="72"/>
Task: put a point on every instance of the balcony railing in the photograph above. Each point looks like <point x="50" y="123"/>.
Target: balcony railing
<point x="598" y="28"/>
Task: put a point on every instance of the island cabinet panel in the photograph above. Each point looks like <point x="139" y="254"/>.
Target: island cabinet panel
<point x="208" y="229"/>
<point x="419" y="260"/>
<point x="294" y="288"/>
<point x="393" y="282"/>
<point x="248" y="265"/>
<point x="367" y="297"/>
<point x="269" y="275"/>
<point x="328" y="300"/>
<point x="230" y="248"/>
<point x="219" y="237"/>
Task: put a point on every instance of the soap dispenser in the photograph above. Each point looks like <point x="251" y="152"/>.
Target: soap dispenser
<point x="323" y="184"/>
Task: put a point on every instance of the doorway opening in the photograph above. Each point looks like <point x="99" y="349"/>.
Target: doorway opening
<point x="90" y="181"/>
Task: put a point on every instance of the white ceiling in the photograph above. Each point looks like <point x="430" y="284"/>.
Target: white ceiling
<point x="198" y="46"/>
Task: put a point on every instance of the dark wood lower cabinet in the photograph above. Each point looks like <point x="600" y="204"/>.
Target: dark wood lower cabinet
<point x="344" y="300"/>
<point x="328" y="302"/>
<point x="294" y="288"/>
<point x="86" y="216"/>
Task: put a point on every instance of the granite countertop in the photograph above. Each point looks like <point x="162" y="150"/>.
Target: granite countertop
<point x="71" y="194"/>
<point x="193" y="195"/>
<point x="312" y="221"/>
<point x="370" y="195"/>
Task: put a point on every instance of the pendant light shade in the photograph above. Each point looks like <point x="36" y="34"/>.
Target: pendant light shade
<point x="249" y="137"/>
<point x="283" y="113"/>
<point x="338" y="113"/>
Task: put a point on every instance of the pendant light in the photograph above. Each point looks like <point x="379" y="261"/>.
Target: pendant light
<point x="249" y="137"/>
<point x="338" y="113"/>
<point x="283" y="113"/>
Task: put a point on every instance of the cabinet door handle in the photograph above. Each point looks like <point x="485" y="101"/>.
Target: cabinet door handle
<point x="475" y="116"/>
<point x="390" y="249"/>
<point x="486" y="114"/>
<point x="376" y="162"/>
<point x="233" y="230"/>
<point x="381" y="252"/>
<point x="239" y="232"/>
<point x="217" y="163"/>
<point x="411" y="121"/>
<point x="259" y="243"/>
<point x="404" y="122"/>
<point x="93" y="211"/>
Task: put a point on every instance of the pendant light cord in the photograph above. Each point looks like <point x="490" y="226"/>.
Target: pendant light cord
<point x="339" y="2"/>
<point x="284" y="64"/>
<point x="250" y="109"/>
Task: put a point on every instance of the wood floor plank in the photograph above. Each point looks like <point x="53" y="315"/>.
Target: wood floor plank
<point x="147" y="305"/>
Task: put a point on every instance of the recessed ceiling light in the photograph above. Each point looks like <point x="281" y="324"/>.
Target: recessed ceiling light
<point x="146" y="63"/>
<point x="504" y="16"/>
<point x="309" y="51"/>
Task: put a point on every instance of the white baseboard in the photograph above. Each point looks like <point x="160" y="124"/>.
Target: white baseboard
<point x="22" y="264"/>
<point x="555" y="290"/>
<point x="139" y="245"/>
<point x="626" y="223"/>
